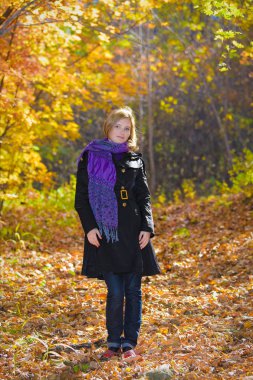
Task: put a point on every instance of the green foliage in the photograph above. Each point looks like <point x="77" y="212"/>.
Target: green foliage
<point x="182" y="232"/>
<point x="177" y="196"/>
<point x="223" y="9"/>
<point x="168" y="104"/>
<point x="230" y="46"/>
<point x="241" y="175"/>
<point x="39" y="213"/>
<point x="160" y="198"/>
<point x="187" y="191"/>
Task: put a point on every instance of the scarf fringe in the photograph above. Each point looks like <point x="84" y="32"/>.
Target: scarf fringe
<point x="110" y="233"/>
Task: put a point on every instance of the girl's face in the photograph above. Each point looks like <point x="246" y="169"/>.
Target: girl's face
<point x="120" y="131"/>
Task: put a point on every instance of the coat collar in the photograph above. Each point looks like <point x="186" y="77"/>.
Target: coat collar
<point x="129" y="159"/>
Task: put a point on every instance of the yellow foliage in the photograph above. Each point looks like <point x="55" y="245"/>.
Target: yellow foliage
<point x="187" y="191"/>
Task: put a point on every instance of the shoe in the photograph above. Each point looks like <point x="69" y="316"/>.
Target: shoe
<point x="108" y="354"/>
<point x="130" y="355"/>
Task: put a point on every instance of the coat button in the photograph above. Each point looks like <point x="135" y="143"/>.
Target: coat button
<point x="123" y="170"/>
<point x="124" y="204"/>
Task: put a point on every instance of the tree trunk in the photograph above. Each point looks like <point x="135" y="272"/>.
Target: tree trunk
<point x="150" y="119"/>
<point x="141" y="109"/>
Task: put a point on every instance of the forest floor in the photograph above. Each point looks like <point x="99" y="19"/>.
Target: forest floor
<point x="197" y="316"/>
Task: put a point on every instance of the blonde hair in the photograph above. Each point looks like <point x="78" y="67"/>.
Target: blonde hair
<point x="120" y="113"/>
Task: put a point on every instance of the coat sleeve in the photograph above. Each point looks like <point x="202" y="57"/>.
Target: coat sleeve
<point x="82" y="204"/>
<point x="142" y="195"/>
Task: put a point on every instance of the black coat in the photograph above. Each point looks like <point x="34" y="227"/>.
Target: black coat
<point x="134" y="215"/>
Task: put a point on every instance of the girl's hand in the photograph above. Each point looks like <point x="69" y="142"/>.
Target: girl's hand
<point x="93" y="235"/>
<point x="144" y="237"/>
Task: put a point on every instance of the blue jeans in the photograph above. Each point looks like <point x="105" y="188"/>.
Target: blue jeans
<point x="120" y="285"/>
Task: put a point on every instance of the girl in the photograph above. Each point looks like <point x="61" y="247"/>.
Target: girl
<point x="113" y="202"/>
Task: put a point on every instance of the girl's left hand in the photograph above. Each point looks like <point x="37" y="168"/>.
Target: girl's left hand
<point x="144" y="237"/>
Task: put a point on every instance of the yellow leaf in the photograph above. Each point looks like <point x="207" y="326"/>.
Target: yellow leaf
<point x="248" y="324"/>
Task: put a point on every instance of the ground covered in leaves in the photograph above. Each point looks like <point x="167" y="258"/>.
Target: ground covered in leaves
<point x="197" y="315"/>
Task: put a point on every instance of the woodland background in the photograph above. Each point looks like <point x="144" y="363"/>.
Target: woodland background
<point x="185" y="67"/>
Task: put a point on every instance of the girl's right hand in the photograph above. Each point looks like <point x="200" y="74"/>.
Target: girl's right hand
<point x="93" y="235"/>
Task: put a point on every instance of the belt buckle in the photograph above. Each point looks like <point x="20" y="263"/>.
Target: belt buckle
<point x="125" y="196"/>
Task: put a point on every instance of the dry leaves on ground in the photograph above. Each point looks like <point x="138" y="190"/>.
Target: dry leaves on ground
<point x="197" y="316"/>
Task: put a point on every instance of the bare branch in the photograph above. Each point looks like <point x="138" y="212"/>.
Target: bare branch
<point x="5" y="28"/>
<point x="6" y="15"/>
<point x="41" y="23"/>
<point x="8" y="53"/>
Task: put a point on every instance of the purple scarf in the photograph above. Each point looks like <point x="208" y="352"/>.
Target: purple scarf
<point x="102" y="179"/>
